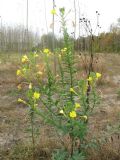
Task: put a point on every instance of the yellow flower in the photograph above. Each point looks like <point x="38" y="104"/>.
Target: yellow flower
<point x="98" y="75"/>
<point x="30" y="86"/>
<point x="39" y="73"/>
<point x="18" y="73"/>
<point x="19" y="87"/>
<point x="73" y="114"/>
<point x="77" y="105"/>
<point x="36" y="95"/>
<point x="57" y="76"/>
<point x="21" y="101"/>
<point x="84" y="117"/>
<point x="24" y="70"/>
<point x="72" y="90"/>
<point x="25" y="59"/>
<point x="35" y="54"/>
<point x="64" y="50"/>
<point x="46" y="51"/>
<point x="90" y="79"/>
<point x="61" y="111"/>
<point x="53" y="11"/>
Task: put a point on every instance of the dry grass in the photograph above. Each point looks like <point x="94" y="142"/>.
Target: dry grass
<point x="109" y="150"/>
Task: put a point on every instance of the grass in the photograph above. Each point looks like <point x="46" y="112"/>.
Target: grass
<point x="15" y="141"/>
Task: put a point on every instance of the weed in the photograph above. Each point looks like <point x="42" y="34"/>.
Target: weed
<point x="65" y="102"/>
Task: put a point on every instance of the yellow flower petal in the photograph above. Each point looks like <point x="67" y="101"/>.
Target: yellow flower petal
<point x="53" y="11"/>
<point x="72" y="114"/>
<point x="25" y="59"/>
<point x="72" y="90"/>
<point x="21" y="101"/>
<point x="30" y="86"/>
<point x="39" y="73"/>
<point x="84" y="117"/>
<point x="36" y="95"/>
<point x="35" y="55"/>
<point x="61" y="111"/>
<point x="46" y="51"/>
<point x="77" y="105"/>
<point x="64" y="50"/>
<point x="98" y="75"/>
<point x="90" y="79"/>
<point x="18" y="73"/>
<point x="19" y="87"/>
<point x="57" y="76"/>
<point x="24" y="70"/>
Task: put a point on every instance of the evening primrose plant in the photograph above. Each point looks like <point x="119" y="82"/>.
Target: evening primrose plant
<point x="32" y="95"/>
<point x="64" y="101"/>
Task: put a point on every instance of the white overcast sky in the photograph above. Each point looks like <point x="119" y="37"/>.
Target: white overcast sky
<point x="13" y="12"/>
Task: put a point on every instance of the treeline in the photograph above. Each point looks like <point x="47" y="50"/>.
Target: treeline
<point x="105" y="42"/>
<point x="18" y="39"/>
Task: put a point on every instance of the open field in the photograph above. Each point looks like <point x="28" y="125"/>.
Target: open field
<point x="14" y="120"/>
<point x="59" y="80"/>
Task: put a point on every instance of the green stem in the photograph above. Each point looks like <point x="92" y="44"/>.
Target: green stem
<point x="72" y="144"/>
<point x="32" y="134"/>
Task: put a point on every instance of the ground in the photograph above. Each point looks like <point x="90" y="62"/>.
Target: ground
<point x="14" y="126"/>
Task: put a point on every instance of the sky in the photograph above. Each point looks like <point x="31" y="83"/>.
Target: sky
<point x="13" y="12"/>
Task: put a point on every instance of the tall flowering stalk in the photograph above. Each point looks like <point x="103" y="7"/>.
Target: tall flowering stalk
<point x="53" y="12"/>
<point x="32" y="95"/>
<point x="63" y="98"/>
